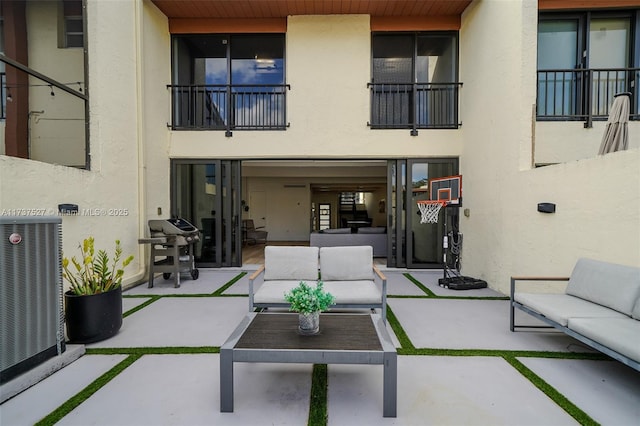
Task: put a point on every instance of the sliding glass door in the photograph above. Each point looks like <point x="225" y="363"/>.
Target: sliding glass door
<point x="413" y="244"/>
<point x="206" y="193"/>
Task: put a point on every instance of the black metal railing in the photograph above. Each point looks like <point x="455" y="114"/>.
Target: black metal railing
<point x="229" y="107"/>
<point x="585" y="94"/>
<point x="414" y="105"/>
<point x="3" y="95"/>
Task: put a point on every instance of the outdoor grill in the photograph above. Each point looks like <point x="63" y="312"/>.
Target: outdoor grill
<point x="171" y="240"/>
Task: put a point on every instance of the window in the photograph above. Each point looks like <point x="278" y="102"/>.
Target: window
<point x="74" y="36"/>
<point x="414" y="80"/>
<point x="72" y="24"/>
<point x="229" y="82"/>
<point x="584" y="59"/>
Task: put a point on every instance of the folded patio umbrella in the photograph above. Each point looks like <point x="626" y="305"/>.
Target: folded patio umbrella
<point x="616" y="135"/>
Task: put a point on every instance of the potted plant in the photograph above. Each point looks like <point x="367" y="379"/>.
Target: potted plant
<point x="93" y="304"/>
<point x="309" y="301"/>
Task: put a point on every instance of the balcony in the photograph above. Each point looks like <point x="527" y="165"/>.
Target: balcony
<point x="414" y="106"/>
<point x="228" y="107"/>
<point x="584" y="94"/>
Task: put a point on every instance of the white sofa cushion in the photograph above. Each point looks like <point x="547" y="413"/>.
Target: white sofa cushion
<point x="271" y="292"/>
<point x="355" y="292"/>
<point x="607" y="284"/>
<point x="619" y="334"/>
<point x="636" y="310"/>
<point x="291" y="263"/>
<point x="561" y="307"/>
<point x="346" y="263"/>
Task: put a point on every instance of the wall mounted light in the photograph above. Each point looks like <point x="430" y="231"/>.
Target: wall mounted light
<point x="546" y="207"/>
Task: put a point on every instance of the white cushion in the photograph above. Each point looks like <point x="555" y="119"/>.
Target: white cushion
<point x="619" y="334"/>
<point x="346" y="263"/>
<point x="356" y="292"/>
<point x="608" y="284"/>
<point x="636" y="310"/>
<point x="561" y="307"/>
<point x="273" y="291"/>
<point x="291" y="263"/>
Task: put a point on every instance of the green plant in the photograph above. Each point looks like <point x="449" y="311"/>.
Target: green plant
<point x="306" y="299"/>
<point x="95" y="272"/>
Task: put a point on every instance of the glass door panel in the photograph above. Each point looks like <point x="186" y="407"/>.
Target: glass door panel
<point x="558" y="56"/>
<point x="609" y="41"/>
<point x="424" y="240"/>
<point x="205" y="194"/>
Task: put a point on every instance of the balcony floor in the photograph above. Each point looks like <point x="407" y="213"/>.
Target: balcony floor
<point x="464" y="367"/>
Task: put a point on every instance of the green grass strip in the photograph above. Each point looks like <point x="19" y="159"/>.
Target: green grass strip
<point x="404" y="340"/>
<point x="57" y="415"/>
<point x="141" y="306"/>
<point x="500" y="353"/>
<point x="419" y="285"/>
<point x="169" y="350"/>
<point x="568" y="406"/>
<point x="222" y="289"/>
<point x="318" y="410"/>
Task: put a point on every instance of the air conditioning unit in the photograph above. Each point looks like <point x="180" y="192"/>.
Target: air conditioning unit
<point x="31" y="302"/>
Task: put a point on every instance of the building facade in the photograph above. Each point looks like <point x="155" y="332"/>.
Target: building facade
<point x="281" y="112"/>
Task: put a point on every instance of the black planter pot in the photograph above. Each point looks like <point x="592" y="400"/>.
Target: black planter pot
<point x="93" y="318"/>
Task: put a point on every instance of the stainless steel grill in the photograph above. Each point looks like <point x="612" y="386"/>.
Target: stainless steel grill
<point x="171" y="240"/>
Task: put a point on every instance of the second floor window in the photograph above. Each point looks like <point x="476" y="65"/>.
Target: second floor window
<point x="229" y="82"/>
<point x="584" y="59"/>
<point x="414" y="80"/>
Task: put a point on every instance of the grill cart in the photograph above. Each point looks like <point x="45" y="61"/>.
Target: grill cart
<point x="171" y="240"/>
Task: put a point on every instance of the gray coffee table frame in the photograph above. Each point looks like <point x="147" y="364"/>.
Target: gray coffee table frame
<point x="386" y="356"/>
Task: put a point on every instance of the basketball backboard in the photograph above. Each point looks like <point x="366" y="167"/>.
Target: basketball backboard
<point x="448" y="188"/>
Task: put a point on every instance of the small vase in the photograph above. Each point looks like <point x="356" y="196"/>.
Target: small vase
<point x="309" y="324"/>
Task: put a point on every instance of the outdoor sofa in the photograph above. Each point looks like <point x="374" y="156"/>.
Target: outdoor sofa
<point x="348" y="273"/>
<point x="600" y="307"/>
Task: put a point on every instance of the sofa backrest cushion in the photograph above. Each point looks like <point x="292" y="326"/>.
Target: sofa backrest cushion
<point x="346" y="263"/>
<point x="614" y="286"/>
<point x="375" y="230"/>
<point x="337" y="231"/>
<point x="291" y="263"/>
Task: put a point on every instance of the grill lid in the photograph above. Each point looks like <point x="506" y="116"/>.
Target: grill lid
<point x="175" y="226"/>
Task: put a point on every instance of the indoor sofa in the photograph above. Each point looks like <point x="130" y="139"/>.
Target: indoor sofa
<point x="600" y="307"/>
<point x="375" y="237"/>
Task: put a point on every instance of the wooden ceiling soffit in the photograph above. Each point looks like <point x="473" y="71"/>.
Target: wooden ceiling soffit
<point x="546" y="5"/>
<point x="415" y="23"/>
<point x="227" y="25"/>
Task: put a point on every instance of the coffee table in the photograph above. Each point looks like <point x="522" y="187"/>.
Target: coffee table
<point x="343" y="339"/>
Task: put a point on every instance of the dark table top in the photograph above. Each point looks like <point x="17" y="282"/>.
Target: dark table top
<point x="350" y="332"/>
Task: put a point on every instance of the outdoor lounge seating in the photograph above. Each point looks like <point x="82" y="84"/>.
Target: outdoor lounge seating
<point x="600" y="307"/>
<point x="348" y="273"/>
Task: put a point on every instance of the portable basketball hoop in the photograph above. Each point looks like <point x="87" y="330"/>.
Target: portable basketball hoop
<point x="430" y="210"/>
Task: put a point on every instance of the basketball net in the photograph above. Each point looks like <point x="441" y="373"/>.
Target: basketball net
<point x="430" y="210"/>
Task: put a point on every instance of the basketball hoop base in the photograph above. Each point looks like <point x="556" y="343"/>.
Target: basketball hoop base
<point x="462" y="283"/>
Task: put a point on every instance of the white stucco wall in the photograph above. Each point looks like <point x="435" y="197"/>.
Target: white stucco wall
<point x="328" y="65"/>
<point x="597" y="199"/>
<point x="559" y="142"/>
<point x="108" y="194"/>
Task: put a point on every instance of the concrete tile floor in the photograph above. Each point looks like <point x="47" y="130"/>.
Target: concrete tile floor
<point x="183" y="389"/>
